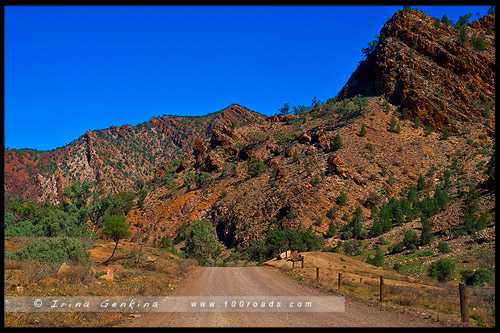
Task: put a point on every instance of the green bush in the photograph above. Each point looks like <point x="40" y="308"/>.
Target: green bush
<point x="202" y="243"/>
<point x="478" y="277"/>
<point x="341" y="199"/>
<point x="255" y="167"/>
<point x="54" y="250"/>
<point x="442" y="270"/>
<point x="397" y="266"/>
<point x="376" y="259"/>
<point x="336" y="143"/>
<point x="280" y="240"/>
<point x="444" y="247"/>
<point x="420" y="183"/>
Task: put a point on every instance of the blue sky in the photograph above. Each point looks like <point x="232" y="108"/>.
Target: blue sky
<point x="73" y="69"/>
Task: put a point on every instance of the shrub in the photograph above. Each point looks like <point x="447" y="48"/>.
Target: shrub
<point x="378" y="258"/>
<point x="444" y="247"/>
<point x="410" y="240"/>
<point x="54" y="250"/>
<point x="202" y="243"/>
<point x="255" y="167"/>
<point x="362" y="131"/>
<point x="315" y="180"/>
<point x="397" y="266"/>
<point x="478" y="277"/>
<point x="341" y="199"/>
<point x="336" y="143"/>
<point x="352" y="247"/>
<point x="116" y="228"/>
<point x="442" y="270"/>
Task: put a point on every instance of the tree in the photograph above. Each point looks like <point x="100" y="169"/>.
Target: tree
<point x="202" y="243"/>
<point x="332" y="230"/>
<point x="420" y="183"/>
<point x="355" y="226"/>
<point x="427" y="235"/>
<point x="462" y="35"/>
<point x="445" y="20"/>
<point x="366" y="51"/>
<point x="463" y="20"/>
<point x="115" y="227"/>
<point x="377" y="228"/>
<point x="284" y="110"/>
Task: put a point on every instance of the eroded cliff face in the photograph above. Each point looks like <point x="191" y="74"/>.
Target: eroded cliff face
<point x="115" y="158"/>
<point x="421" y="65"/>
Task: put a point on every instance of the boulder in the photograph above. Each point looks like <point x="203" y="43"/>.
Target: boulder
<point x="337" y="166"/>
<point x="63" y="270"/>
<point x="108" y="276"/>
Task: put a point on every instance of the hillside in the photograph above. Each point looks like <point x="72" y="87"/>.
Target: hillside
<point x="426" y="109"/>
<point x="115" y="158"/>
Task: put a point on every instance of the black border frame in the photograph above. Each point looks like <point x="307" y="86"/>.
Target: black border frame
<point x="217" y="3"/>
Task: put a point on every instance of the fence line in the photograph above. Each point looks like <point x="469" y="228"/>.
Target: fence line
<point x="463" y="293"/>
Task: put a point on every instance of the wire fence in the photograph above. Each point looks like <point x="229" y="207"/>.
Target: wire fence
<point x="440" y="301"/>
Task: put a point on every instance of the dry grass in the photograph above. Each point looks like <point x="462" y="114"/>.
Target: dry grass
<point x="157" y="274"/>
<point x="361" y="281"/>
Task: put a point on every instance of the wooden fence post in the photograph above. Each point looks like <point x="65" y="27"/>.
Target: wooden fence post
<point x="339" y="281"/>
<point x="381" y="288"/>
<point x="302" y="263"/>
<point x="293" y="264"/>
<point x="464" y="311"/>
<point x="317" y="274"/>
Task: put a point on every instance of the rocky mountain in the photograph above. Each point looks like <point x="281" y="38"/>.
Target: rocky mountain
<point x="426" y="106"/>
<point x="440" y="73"/>
<point x="115" y="158"/>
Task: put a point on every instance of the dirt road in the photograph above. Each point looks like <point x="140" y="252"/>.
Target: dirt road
<point x="260" y="281"/>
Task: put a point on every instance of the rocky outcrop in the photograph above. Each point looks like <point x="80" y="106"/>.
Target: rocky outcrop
<point x="421" y="65"/>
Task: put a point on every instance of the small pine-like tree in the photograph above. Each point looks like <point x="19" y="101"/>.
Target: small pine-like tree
<point x="420" y="183"/>
<point x="427" y="235"/>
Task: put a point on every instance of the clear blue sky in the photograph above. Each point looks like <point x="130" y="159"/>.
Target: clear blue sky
<point x="72" y="69"/>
